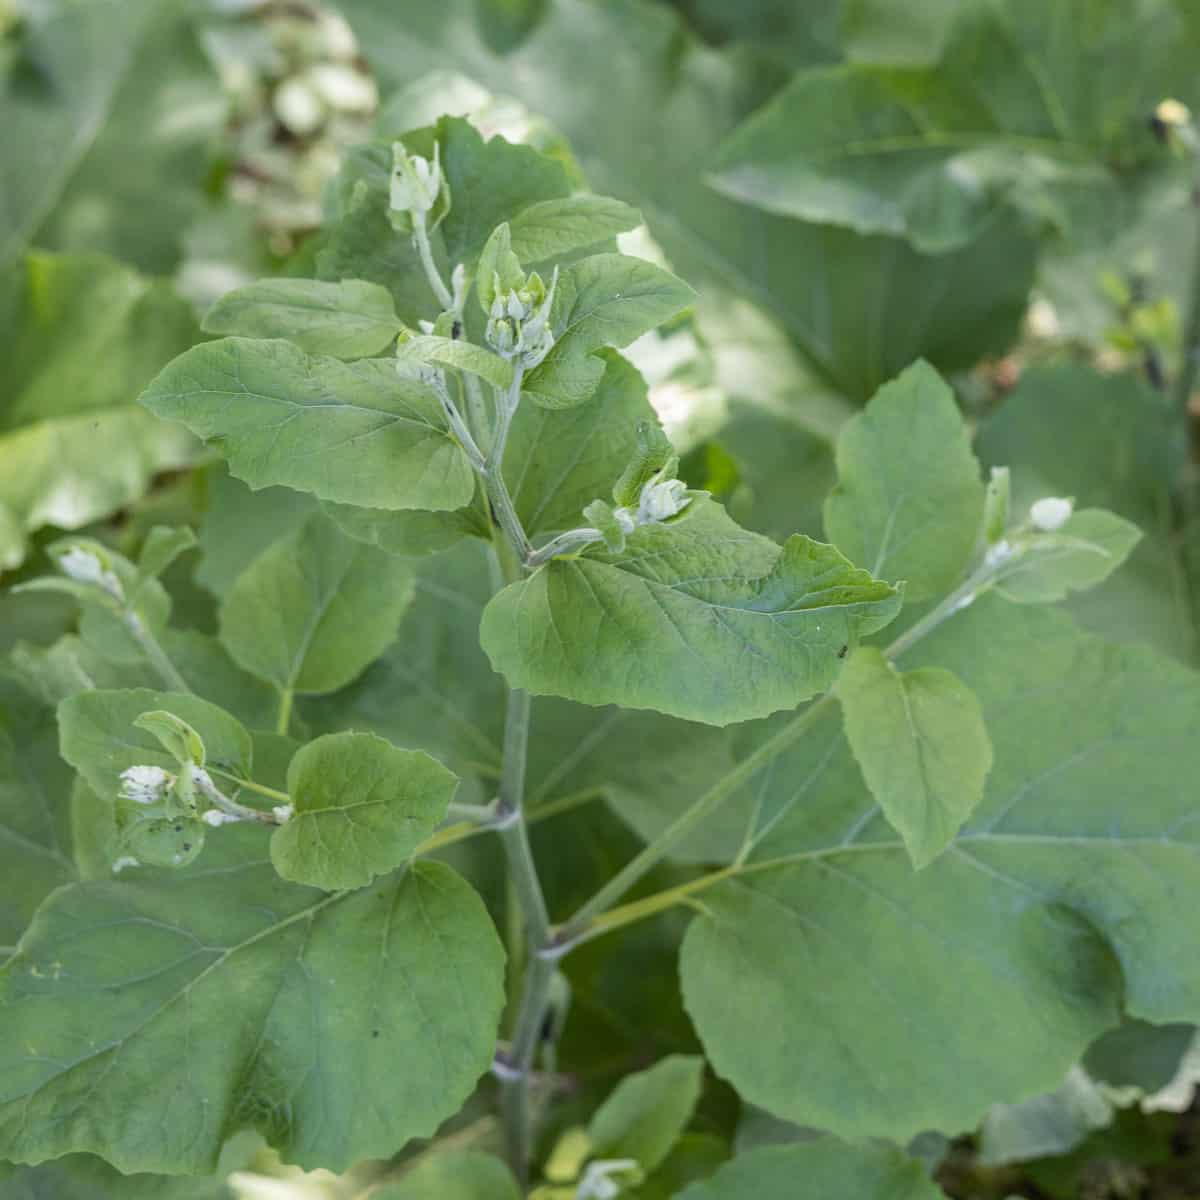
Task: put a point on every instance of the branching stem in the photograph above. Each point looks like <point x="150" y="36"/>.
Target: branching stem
<point x="155" y="654"/>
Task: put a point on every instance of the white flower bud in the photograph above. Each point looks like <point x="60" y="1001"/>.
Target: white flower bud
<point x="283" y="813"/>
<point x="597" y="1182"/>
<point x="126" y="860"/>
<point x="216" y="818"/>
<point x="416" y="182"/>
<point x="145" y="784"/>
<point x="84" y="566"/>
<point x="344" y="88"/>
<point x="458" y="286"/>
<point x="298" y="107"/>
<point x="660" y="500"/>
<point x="625" y="519"/>
<point x="1051" y="513"/>
<point x="999" y="552"/>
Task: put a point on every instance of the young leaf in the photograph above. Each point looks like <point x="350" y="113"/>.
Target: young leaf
<point x="453" y="1175"/>
<point x="362" y="806"/>
<point x="605" y="300"/>
<point x="100" y="737"/>
<point x="556" y="227"/>
<point x="1055" y="901"/>
<point x="920" y="740"/>
<point x="315" y="609"/>
<point x="698" y="619"/>
<point x="818" y="1170"/>
<point x="1079" y="555"/>
<point x="648" y="1111"/>
<point x="445" y="352"/>
<point x="909" y="499"/>
<point x="356" y="432"/>
<point x="349" y="319"/>
<point x="161" y="548"/>
<point x="148" y="1021"/>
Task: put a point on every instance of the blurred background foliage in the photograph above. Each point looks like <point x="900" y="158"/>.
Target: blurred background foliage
<point x="993" y="185"/>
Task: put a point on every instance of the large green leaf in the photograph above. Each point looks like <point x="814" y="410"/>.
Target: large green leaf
<point x="1050" y="910"/>
<point x="921" y="743"/>
<point x="80" y="160"/>
<point x="643" y="103"/>
<point x="698" y="619"/>
<point x="453" y="1175"/>
<point x="83" y="337"/>
<point x="1110" y="441"/>
<point x="605" y="300"/>
<point x="908" y="500"/>
<point x="35" y="787"/>
<point x="315" y="609"/>
<point x="200" y="1000"/>
<point x="362" y="806"/>
<point x="350" y="319"/>
<point x="551" y="228"/>
<point x="83" y="1177"/>
<point x="357" y="433"/>
<point x="1020" y="98"/>
<point x="820" y="1170"/>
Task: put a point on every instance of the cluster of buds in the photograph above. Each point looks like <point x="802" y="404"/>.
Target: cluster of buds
<point x="417" y="184"/>
<point x="88" y="564"/>
<point x="146" y="784"/>
<point x="518" y="327"/>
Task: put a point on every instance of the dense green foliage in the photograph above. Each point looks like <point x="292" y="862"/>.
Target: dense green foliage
<point x="625" y="630"/>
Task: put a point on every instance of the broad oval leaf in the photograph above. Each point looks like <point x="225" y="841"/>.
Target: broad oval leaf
<point x="909" y="500"/>
<point x="1055" y="905"/>
<point x="605" y="300"/>
<point x="315" y="609"/>
<point x="921" y="743"/>
<point x="348" y="319"/>
<point x="99" y="739"/>
<point x="552" y="228"/>
<point x="362" y="806"/>
<point x="198" y="1001"/>
<point x="698" y="619"/>
<point x="818" y="1170"/>
<point x="356" y="433"/>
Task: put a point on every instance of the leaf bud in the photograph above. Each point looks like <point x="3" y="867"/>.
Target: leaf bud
<point x="145" y="784"/>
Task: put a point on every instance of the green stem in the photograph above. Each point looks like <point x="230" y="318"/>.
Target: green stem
<point x="284" y="720"/>
<point x="1185" y="384"/>
<point x="493" y="472"/>
<point x="565" y="543"/>
<point x="251" y="786"/>
<point x="155" y="654"/>
<point x="218" y="799"/>
<point x="425" y="250"/>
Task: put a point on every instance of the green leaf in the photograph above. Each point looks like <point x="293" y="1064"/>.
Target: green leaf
<point x="1051" y="909"/>
<point x="35" y="785"/>
<point x="601" y="72"/>
<point x="362" y="807"/>
<point x="605" y="300"/>
<point x="82" y="1177"/>
<point x="175" y="736"/>
<point x="410" y="534"/>
<point x="1011" y="107"/>
<point x="350" y="319"/>
<point x="552" y="228"/>
<point x="908" y="501"/>
<point x="100" y="739"/>
<point x="673" y="622"/>
<point x="356" y="432"/>
<point x="920" y="740"/>
<point x="648" y="1111"/>
<point x="465" y="356"/>
<point x="198" y="1000"/>
<point x="315" y="609"/>
<point x="1140" y="1055"/>
<point x="161" y="548"/>
<point x="818" y="1170"/>
<point x="1081" y="554"/>
<point x="453" y="1175"/>
<point x="875" y="33"/>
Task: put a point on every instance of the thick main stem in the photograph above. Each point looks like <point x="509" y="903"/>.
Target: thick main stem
<point x="493" y="473"/>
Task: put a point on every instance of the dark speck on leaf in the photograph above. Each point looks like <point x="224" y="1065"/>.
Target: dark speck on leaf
<point x="187" y="846"/>
<point x="842" y="651"/>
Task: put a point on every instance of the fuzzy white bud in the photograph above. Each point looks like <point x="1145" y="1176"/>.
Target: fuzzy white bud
<point x="81" y="565"/>
<point x="145" y="784"/>
<point x="416" y="182"/>
<point x="1051" y="513"/>
<point x="661" y="499"/>
<point x="216" y="818"/>
<point x="597" y="1182"/>
<point x="282" y="813"/>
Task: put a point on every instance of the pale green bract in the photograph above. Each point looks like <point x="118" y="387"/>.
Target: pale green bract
<point x="198" y="1000"/>
<point x="699" y="619"/>
<point x="605" y="300"/>
<point x="920" y="740"/>
<point x="350" y="319"/>
<point x="314" y="609"/>
<point x="445" y="352"/>
<point x="362" y="806"/>
<point x="909" y="500"/>
<point x="357" y="433"/>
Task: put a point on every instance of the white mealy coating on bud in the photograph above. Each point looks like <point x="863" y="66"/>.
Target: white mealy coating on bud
<point x="216" y="818"/>
<point x="282" y="812"/>
<point x="661" y="499"/>
<point x="145" y="784"/>
<point x="126" y="860"/>
<point x="1051" y="513"/>
<point x="597" y="1182"/>
<point x="84" y="566"/>
<point x="1000" y="552"/>
<point x="416" y="182"/>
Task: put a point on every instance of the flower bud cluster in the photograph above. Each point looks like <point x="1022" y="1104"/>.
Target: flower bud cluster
<point x="416" y="182"/>
<point x="518" y="327"/>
